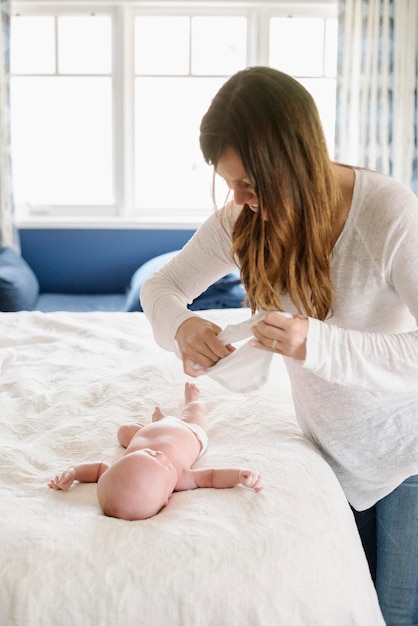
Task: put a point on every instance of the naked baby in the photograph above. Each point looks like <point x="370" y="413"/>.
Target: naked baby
<point x="158" y="461"/>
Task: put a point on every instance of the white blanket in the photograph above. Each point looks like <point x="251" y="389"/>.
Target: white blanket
<point x="288" y="556"/>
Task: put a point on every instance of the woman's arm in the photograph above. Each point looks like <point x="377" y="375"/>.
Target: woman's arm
<point x="166" y="294"/>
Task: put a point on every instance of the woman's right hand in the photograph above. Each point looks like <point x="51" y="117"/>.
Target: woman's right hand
<point x="199" y="345"/>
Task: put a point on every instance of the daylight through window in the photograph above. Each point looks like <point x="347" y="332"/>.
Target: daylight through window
<point x="106" y="100"/>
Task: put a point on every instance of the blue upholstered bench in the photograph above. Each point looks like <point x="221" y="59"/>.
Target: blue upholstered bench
<point x="19" y="290"/>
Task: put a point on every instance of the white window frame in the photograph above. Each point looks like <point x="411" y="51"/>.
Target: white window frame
<point x="122" y="213"/>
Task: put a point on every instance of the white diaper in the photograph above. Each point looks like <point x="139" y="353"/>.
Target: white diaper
<point x="196" y="430"/>
<point x="247" y="368"/>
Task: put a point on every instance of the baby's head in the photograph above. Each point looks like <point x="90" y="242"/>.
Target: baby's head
<point x="137" y="486"/>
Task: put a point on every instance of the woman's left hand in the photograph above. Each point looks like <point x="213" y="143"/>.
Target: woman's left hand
<point x="281" y="334"/>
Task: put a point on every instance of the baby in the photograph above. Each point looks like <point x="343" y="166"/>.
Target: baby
<point x="158" y="460"/>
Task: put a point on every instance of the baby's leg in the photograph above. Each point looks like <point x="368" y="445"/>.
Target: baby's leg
<point x="157" y="415"/>
<point x="191" y="392"/>
<point x="194" y="411"/>
<point x="126" y="432"/>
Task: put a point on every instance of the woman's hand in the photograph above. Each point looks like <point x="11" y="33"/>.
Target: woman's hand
<point x="281" y="334"/>
<point x="199" y="346"/>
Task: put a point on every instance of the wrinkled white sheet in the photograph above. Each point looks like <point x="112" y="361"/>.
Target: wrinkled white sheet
<point x="288" y="556"/>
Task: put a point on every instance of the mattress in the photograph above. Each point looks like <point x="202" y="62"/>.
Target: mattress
<point x="289" y="555"/>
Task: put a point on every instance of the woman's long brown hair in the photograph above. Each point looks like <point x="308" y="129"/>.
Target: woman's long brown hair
<point x="271" y="121"/>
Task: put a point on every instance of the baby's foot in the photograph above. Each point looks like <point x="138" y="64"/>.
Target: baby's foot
<point x="157" y="415"/>
<point x="191" y="392"/>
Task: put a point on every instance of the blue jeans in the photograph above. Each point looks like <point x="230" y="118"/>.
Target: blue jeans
<point x="389" y="534"/>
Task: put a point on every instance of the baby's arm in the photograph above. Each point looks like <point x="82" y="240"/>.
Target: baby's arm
<point x="222" y="478"/>
<point x="84" y="473"/>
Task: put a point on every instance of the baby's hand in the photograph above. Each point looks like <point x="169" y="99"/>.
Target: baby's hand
<point x="63" y="482"/>
<point x="251" y="480"/>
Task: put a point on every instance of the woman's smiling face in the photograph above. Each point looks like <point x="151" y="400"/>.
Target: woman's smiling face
<point x="231" y="169"/>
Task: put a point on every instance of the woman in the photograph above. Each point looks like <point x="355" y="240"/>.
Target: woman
<point x="336" y="247"/>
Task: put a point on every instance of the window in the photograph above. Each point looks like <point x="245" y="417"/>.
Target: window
<point x="106" y="99"/>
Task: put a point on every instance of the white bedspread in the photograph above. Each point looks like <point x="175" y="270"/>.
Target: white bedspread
<point x="288" y="556"/>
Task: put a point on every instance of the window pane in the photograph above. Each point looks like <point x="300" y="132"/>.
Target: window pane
<point x="297" y="45"/>
<point x="162" y="45"/>
<point x="219" y="45"/>
<point x="169" y="168"/>
<point x="85" y="45"/>
<point x="331" y="47"/>
<point x="32" y="48"/>
<point x="323" y="92"/>
<point x="62" y="143"/>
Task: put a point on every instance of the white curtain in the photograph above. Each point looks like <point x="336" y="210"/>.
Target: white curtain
<point x="8" y="231"/>
<point x="376" y="92"/>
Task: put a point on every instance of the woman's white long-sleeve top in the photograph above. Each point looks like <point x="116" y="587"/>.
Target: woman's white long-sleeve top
<point x="356" y="393"/>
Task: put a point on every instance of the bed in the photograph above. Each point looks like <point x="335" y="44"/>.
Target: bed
<point x="289" y="555"/>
